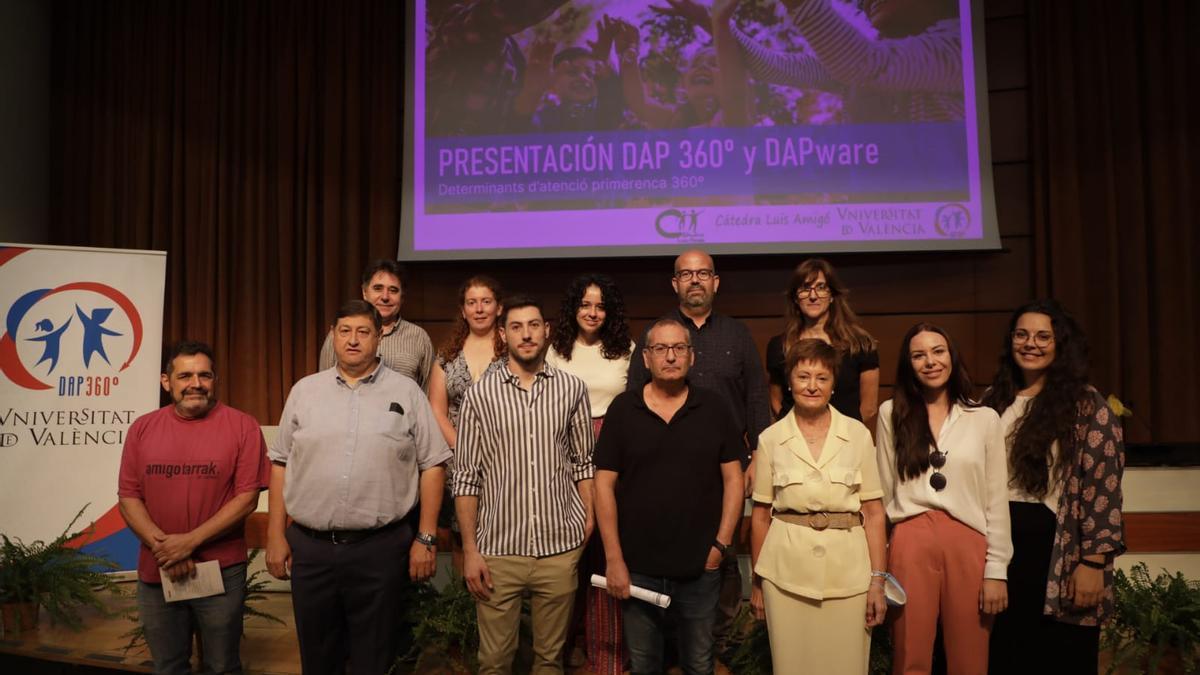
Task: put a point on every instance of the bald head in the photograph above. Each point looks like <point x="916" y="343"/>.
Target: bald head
<point x="694" y="259"/>
<point x="695" y="282"/>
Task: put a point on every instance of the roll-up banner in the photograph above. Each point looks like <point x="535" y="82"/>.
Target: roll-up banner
<point x="79" y="362"/>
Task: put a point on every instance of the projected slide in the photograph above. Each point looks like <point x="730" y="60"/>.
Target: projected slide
<point x="609" y="127"/>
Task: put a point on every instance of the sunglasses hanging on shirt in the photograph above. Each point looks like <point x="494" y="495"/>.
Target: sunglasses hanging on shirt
<point x="937" y="480"/>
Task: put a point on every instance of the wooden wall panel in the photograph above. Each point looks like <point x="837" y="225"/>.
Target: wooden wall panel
<point x="1162" y="532"/>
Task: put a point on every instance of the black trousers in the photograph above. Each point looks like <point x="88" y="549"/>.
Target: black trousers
<point x="346" y="599"/>
<point x="1024" y="640"/>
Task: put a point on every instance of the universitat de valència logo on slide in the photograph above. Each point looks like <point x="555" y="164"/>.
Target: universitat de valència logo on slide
<point x="75" y="338"/>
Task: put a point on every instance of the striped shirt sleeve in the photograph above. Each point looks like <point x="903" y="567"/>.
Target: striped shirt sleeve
<point x="466" y="479"/>
<point x="775" y="67"/>
<point x="582" y="441"/>
<point x="930" y="61"/>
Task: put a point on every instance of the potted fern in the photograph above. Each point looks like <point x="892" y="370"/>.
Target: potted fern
<point x="1156" y="625"/>
<point x="445" y="633"/>
<point x="52" y="576"/>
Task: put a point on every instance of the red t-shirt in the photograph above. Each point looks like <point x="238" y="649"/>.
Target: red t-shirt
<point x="186" y="470"/>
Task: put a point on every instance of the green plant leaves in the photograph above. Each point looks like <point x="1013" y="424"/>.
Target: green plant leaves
<point x="1153" y="619"/>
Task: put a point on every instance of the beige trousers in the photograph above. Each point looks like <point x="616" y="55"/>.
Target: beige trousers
<point x="551" y="582"/>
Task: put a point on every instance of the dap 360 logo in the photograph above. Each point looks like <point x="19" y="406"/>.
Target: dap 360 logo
<point x="64" y="334"/>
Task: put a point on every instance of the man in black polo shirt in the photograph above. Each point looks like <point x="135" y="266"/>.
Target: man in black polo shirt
<point x="725" y="361"/>
<point x="668" y="495"/>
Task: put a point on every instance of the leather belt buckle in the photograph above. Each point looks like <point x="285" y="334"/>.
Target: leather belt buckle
<point x="818" y="521"/>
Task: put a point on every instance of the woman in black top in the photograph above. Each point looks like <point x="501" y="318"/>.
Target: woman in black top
<point x="817" y="308"/>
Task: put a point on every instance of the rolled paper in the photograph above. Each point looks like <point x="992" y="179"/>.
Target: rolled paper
<point x="653" y="597"/>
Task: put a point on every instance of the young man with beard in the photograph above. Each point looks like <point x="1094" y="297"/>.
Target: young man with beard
<point x="522" y="483"/>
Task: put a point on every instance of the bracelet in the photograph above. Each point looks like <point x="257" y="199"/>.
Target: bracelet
<point x="429" y="541"/>
<point x="1092" y="564"/>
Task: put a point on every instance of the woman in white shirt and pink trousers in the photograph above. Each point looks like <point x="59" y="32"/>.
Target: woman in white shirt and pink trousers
<point x="944" y="470"/>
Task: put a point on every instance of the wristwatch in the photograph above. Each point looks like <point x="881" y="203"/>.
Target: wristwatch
<point x="426" y="539"/>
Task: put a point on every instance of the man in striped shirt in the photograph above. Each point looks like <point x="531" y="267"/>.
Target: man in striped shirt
<point x="403" y="346"/>
<point x="522" y="483"/>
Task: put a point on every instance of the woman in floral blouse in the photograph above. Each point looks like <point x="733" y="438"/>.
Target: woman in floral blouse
<point x="1065" y="459"/>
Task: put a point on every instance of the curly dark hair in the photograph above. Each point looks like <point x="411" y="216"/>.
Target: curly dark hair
<point x="910" y="419"/>
<point x="614" y="332"/>
<point x="1051" y="414"/>
<point x="451" y="347"/>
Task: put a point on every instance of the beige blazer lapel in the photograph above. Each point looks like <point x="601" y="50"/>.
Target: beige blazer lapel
<point x="796" y="444"/>
<point x="837" y="438"/>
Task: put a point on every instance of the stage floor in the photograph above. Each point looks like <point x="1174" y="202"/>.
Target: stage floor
<point x="268" y="648"/>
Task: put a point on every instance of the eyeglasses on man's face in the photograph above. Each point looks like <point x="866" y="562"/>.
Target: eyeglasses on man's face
<point x="660" y="350"/>
<point x="688" y="275"/>
<point x="1041" y="339"/>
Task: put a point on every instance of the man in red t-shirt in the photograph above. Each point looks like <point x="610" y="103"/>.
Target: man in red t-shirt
<point x="190" y="474"/>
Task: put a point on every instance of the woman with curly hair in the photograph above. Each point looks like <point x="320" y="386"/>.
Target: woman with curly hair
<point x="591" y="341"/>
<point x="944" y="475"/>
<point x="474" y="347"/>
<point x="817" y="308"/>
<point x="1065" y="460"/>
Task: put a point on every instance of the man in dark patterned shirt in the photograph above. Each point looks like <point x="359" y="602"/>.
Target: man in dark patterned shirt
<point x="727" y="362"/>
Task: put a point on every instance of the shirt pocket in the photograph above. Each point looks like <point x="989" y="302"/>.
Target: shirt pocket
<point x="396" y="430"/>
<point x="844" y="483"/>
<point x="792" y="489"/>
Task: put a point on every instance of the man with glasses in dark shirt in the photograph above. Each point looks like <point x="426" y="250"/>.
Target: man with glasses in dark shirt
<point x="727" y="362"/>
<point x="668" y="497"/>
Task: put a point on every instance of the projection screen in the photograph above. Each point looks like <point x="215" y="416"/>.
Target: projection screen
<point x="554" y="128"/>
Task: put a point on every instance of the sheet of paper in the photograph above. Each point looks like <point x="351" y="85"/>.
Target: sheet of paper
<point x="653" y="597"/>
<point x="207" y="582"/>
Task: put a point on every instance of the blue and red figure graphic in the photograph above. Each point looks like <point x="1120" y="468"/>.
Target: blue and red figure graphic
<point x="91" y="321"/>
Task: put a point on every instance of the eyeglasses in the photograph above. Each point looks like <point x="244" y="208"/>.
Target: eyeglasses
<point x="1041" y="339"/>
<point x="937" y="479"/>
<point x="821" y="290"/>
<point x="702" y="275"/>
<point x="660" y="351"/>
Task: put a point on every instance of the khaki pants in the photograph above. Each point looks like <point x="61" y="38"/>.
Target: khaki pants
<point x="551" y="581"/>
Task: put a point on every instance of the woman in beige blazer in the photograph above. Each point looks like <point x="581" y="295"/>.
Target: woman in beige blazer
<point x="817" y="530"/>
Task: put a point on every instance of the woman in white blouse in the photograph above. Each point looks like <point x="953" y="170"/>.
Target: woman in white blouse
<point x="944" y="473"/>
<point x="591" y="341"/>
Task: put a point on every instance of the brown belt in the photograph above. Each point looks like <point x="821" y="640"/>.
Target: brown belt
<point x="821" y="520"/>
